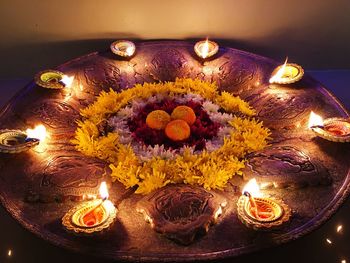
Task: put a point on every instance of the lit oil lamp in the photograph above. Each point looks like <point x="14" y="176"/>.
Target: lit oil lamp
<point x="332" y="129"/>
<point x="53" y="79"/>
<point x="287" y="73"/>
<point x="258" y="212"/>
<point x="123" y="48"/>
<point x="91" y="217"/>
<point x="206" y="48"/>
<point x="16" y="141"/>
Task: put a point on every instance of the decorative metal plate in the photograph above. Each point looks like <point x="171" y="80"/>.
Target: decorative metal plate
<point x="38" y="188"/>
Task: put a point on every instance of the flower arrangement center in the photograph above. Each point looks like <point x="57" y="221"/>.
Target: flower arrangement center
<point x="156" y="134"/>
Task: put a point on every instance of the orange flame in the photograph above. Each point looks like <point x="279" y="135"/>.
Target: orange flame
<point x="39" y="132"/>
<point x="205" y="49"/>
<point x="315" y="120"/>
<point x="67" y="80"/>
<point x="104" y="191"/>
<point x="252" y="187"/>
<point x="279" y="74"/>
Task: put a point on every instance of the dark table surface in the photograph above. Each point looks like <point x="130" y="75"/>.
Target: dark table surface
<point x="19" y="245"/>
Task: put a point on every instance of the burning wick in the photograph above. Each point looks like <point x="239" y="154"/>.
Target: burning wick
<point x="204" y="49"/>
<point x="280" y="73"/>
<point x="315" y="121"/>
<point x="339" y="228"/>
<point x="67" y="81"/>
<point x="39" y="132"/>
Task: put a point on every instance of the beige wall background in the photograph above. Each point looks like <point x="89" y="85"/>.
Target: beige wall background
<point x="39" y="34"/>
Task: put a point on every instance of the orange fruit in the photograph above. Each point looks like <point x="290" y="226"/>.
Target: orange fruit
<point x="184" y="113"/>
<point x="178" y="130"/>
<point x="157" y="119"/>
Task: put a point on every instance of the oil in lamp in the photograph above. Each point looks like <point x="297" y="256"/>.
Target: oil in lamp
<point x="206" y="48"/>
<point x="332" y="129"/>
<point x="53" y="79"/>
<point x="287" y="73"/>
<point x="258" y="212"/>
<point x="16" y="141"/>
<point x="91" y="217"/>
<point x="123" y="48"/>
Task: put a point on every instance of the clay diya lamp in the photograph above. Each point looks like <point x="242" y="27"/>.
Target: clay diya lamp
<point x="332" y="129"/>
<point x="91" y="217"/>
<point x="206" y="48"/>
<point x="287" y="73"/>
<point x="261" y="213"/>
<point x="53" y="79"/>
<point x="123" y="48"/>
<point x="16" y="141"/>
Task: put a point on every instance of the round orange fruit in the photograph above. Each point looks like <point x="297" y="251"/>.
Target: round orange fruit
<point x="184" y="113"/>
<point x="178" y="130"/>
<point x="157" y="119"/>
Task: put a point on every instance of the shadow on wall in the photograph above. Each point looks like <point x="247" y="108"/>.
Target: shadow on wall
<point x="25" y="59"/>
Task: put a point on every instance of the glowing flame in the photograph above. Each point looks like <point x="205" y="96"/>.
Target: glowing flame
<point x="39" y="132"/>
<point x="103" y="190"/>
<point x="315" y="120"/>
<point x="279" y="74"/>
<point x="205" y="49"/>
<point x="67" y="80"/>
<point x="252" y="187"/>
<point x="339" y="228"/>
<point x="129" y="50"/>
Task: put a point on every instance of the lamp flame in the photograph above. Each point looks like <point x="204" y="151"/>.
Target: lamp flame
<point x="67" y="81"/>
<point x="205" y="49"/>
<point x="104" y="191"/>
<point x="252" y="188"/>
<point x="39" y="132"/>
<point x="130" y="51"/>
<point x="315" y="120"/>
<point x="279" y="74"/>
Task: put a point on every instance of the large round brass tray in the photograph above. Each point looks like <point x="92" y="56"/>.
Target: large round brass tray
<point x="310" y="174"/>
